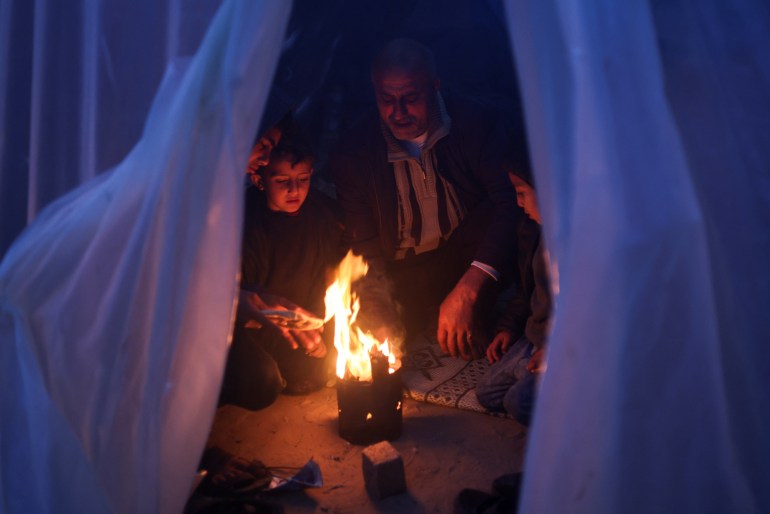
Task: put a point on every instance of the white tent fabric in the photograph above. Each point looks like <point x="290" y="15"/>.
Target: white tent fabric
<point x="648" y="126"/>
<point x="116" y="304"/>
<point x="76" y="83"/>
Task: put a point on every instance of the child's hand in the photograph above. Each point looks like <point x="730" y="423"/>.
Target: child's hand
<point x="537" y="362"/>
<point x="251" y="304"/>
<point x="310" y="341"/>
<point x="499" y="346"/>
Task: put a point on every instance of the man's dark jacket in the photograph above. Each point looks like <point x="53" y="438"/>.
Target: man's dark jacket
<point x="469" y="158"/>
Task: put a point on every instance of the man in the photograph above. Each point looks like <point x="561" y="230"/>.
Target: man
<point x="425" y="197"/>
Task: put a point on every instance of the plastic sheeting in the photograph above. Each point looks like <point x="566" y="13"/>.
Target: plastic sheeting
<point x="648" y="126"/>
<point x="76" y="83"/>
<point x="116" y="303"/>
<point x="649" y="134"/>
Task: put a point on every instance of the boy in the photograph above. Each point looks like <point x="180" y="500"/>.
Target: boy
<point x="510" y="383"/>
<point x="291" y="238"/>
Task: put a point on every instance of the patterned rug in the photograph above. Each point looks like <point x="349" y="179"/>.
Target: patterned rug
<point x="431" y="376"/>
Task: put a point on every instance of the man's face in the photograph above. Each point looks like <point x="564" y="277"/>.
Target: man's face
<point x="406" y="101"/>
<point x="260" y="154"/>
<point x="286" y="186"/>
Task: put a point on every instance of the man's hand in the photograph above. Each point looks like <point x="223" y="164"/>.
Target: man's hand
<point x="455" y="319"/>
<point x="499" y="346"/>
<point x="250" y="307"/>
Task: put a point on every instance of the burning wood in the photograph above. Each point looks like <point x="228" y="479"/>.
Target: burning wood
<point x="369" y="390"/>
<point x="356" y="350"/>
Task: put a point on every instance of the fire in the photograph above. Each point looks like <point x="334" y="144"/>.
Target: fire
<point x="355" y="349"/>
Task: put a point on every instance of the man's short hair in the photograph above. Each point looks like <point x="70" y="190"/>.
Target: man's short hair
<point x="404" y="54"/>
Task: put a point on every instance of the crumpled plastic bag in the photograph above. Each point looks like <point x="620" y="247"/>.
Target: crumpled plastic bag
<point x="308" y="475"/>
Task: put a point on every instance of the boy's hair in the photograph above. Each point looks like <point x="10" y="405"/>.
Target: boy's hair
<point x="294" y="148"/>
<point x="516" y="167"/>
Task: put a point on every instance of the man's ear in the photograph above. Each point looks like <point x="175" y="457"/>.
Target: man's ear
<point x="256" y="179"/>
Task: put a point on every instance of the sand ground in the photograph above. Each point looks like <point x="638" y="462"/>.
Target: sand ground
<point x="444" y="450"/>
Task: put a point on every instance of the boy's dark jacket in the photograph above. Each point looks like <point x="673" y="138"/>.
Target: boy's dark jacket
<point x="290" y="255"/>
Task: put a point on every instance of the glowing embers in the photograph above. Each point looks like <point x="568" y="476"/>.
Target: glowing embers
<point x="369" y="386"/>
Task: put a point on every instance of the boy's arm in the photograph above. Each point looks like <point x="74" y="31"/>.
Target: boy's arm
<point x="250" y="307"/>
<point x="519" y="307"/>
<point x="537" y="362"/>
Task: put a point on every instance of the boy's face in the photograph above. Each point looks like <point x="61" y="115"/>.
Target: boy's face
<point x="285" y="186"/>
<point x="525" y="197"/>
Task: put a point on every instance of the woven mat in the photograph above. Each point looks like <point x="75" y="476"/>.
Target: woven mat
<point x="430" y="376"/>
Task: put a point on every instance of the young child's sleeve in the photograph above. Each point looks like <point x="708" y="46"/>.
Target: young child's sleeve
<point x="538" y="326"/>
<point x="519" y="306"/>
<point x="515" y="315"/>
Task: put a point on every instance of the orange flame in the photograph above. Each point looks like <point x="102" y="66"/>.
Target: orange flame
<point x="354" y="347"/>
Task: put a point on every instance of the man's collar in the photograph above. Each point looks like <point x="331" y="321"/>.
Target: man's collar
<point x="438" y="128"/>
